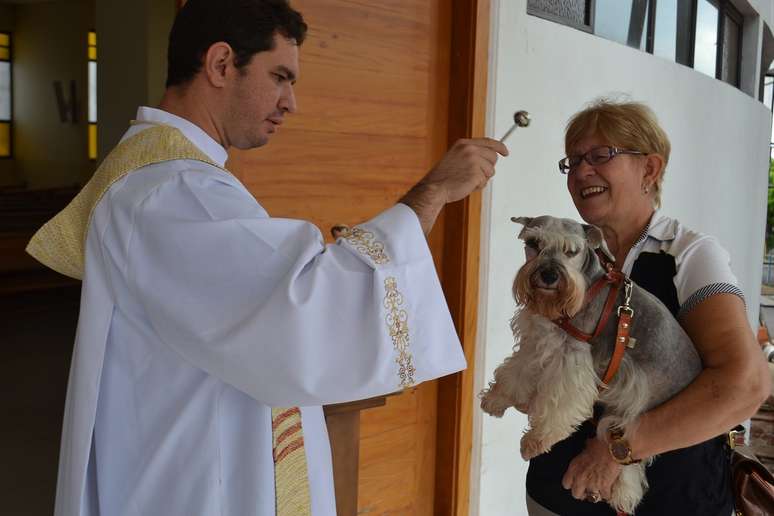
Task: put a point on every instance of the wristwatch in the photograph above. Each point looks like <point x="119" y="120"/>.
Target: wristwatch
<point x="620" y="448"/>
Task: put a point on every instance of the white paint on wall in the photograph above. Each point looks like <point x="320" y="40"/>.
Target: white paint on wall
<point x="716" y="182"/>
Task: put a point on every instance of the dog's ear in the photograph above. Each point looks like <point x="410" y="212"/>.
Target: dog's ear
<point x="524" y="221"/>
<point x="596" y="240"/>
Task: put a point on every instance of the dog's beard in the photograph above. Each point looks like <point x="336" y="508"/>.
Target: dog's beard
<point x="565" y="301"/>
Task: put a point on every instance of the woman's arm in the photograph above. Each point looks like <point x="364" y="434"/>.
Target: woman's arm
<point x="730" y="388"/>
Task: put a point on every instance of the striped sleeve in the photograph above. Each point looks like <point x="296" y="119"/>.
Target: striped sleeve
<point x="703" y="270"/>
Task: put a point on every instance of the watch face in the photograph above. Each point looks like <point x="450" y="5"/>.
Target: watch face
<point x="619" y="449"/>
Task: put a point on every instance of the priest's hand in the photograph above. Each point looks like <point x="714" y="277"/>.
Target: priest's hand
<point x="466" y="167"/>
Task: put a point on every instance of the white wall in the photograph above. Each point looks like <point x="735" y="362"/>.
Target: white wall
<point x="716" y="182"/>
<point x="764" y="8"/>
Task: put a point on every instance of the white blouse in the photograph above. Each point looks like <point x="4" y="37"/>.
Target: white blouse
<point x="703" y="266"/>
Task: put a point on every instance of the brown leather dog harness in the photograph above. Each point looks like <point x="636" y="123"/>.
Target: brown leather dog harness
<point x="614" y="279"/>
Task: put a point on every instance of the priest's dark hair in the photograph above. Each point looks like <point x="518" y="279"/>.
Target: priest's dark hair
<point x="248" y="26"/>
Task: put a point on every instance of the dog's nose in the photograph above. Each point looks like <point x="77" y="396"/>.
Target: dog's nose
<point x="549" y="276"/>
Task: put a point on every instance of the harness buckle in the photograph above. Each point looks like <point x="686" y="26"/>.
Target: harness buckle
<point x="625" y="307"/>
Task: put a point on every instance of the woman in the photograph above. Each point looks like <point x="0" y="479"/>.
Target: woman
<point x="616" y="156"/>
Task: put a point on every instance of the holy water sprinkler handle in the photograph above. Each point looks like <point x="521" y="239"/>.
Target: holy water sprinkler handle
<point x="520" y="119"/>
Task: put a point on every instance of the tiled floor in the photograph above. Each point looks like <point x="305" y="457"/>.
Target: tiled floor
<point x="36" y="335"/>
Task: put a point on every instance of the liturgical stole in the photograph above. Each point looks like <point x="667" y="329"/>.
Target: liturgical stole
<point x="60" y="245"/>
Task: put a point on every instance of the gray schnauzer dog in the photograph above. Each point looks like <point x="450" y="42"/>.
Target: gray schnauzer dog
<point x="555" y="378"/>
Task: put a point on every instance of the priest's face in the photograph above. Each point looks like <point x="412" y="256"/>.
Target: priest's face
<point x="261" y="94"/>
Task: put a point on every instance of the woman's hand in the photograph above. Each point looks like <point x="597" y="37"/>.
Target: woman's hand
<point x="593" y="471"/>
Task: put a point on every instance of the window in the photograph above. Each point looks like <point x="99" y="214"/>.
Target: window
<point x="624" y="21"/>
<point x="768" y="258"/>
<point x="672" y="33"/>
<point x="705" y="49"/>
<point x="576" y="13"/>
<point x="703" y="34"/>
<point x="729" y="54"/>
<point x="92" y="55"/>
<point x="718" y="44"/>
<point x="6" y="99"/>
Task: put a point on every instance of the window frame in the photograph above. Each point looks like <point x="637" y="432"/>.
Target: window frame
<point x="590" y="11"/>
<point x="10" y="154"/>
<point x="726" y="8"/>
<point x="91" y="126"/>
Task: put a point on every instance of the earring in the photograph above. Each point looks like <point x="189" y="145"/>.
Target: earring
<point x="645" y="189"/>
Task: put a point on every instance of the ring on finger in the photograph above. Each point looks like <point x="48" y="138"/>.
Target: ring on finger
<point x="593" y="496"/>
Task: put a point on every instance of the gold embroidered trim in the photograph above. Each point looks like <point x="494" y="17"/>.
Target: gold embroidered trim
<point x="365" y="243"/>
<point x="291" y="477"/>
<point x="60" y="244"/>
<point x="397" y="322"/>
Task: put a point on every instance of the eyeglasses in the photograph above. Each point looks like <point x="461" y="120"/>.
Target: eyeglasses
<point x="595" y="156"/>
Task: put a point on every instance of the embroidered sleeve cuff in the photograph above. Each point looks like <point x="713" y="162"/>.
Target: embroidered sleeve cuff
<point x="709" y="291"/>
<point x="394" y="237"/>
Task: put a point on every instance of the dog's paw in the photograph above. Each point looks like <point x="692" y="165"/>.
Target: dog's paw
<point x="623" y="502"/>
<point x="493" y="404"/>
<point x="629" y="489"/>
<point x="531" y="447"/>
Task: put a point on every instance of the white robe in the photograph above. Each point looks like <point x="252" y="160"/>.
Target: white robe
<point x="199" y="312"/>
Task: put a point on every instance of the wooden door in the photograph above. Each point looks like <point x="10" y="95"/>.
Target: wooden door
<point x="373" y="118"/>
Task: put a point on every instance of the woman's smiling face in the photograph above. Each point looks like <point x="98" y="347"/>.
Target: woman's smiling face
<point x="610" y="192"/>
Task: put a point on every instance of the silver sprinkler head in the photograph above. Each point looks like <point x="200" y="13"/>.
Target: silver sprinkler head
<point x="520" y="119"/>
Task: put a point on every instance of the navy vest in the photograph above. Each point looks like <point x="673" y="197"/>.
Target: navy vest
<point x="690" y="481"/>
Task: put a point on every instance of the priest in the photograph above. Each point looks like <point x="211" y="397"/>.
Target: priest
<point x="210" y="333"/>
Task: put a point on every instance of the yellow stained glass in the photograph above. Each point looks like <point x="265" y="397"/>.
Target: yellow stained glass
<point x="5" y="139"/>
<point x="92" y="39"/>
<point x="93" y="53"/>
<point x="5" y="40"/>
<point x="92" y="141"/>
<point x="5" y="54"/>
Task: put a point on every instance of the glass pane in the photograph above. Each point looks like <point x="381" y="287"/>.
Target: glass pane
<point x="92" y="141"/>
<point x="5" y="39"/>
<point x="624" y="21"/>
<point x="5" y="90"/>
<point x="768" y="100"/>
<point x="665" y="36"/>
<point x="5" y="139"/>
<point x="5" y="53"/>
<point x="571" y="10"/>
<point x="93" y="53"/>
<point x="768" y="90"/>
<point x="705" y="50"/>
<point x="730" y="65"/>
<point x="92" y="91"/>
<point x="684" y="36"/>
<point x="771" y="151"/>
<point x="92" y="38"/>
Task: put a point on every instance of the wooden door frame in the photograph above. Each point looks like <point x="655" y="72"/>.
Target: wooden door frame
<point x="468" y="70"/>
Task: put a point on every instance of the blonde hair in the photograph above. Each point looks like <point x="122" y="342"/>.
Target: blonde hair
<point x="625" y="124"/>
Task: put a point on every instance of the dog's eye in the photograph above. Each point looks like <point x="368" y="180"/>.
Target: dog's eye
<point x="532" y="243"/>
<point x="570" y="253"/>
